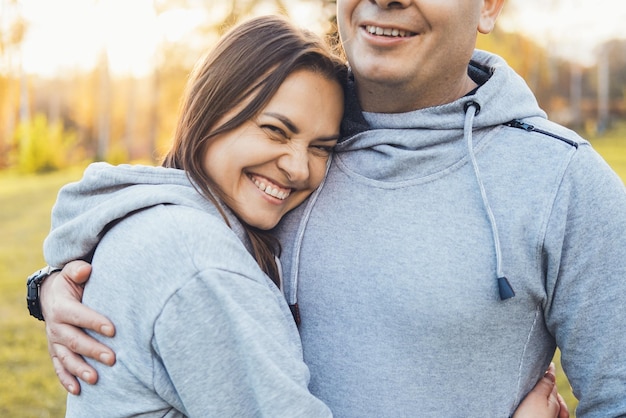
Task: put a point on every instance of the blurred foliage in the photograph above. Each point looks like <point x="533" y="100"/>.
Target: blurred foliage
<point x="41" y="146"/>
<point x="120" y="116"/>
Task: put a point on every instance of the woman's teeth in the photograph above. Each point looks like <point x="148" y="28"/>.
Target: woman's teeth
<point x="271" y="190"/>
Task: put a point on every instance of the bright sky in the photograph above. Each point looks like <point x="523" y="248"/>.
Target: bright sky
<point x="68" y="34"/>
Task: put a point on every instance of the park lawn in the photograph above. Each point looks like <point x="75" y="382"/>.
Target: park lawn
<point x="28" y="384"/>
<point x="613" y="148"/>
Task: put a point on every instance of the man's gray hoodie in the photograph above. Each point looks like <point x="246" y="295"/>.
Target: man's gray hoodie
<point x="201" y="331"/>
<point x="398" y="264"/>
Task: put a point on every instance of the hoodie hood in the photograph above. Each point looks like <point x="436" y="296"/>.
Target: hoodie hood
<point x="439" y="133"/>
<point x="84" y="210"/>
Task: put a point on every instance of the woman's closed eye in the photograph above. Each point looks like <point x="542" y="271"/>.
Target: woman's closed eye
<point x="275" y="133"/>
<point x="322" y="150"/>
<point x="321" y="147"/>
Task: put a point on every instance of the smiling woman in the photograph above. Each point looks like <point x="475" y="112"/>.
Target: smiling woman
<point x="269" y="165"/>
<point x="253" y="141"/>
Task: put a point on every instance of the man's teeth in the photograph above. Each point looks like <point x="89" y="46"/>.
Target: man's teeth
<point x="270" y="190"/>
<point x="375" y="30"/>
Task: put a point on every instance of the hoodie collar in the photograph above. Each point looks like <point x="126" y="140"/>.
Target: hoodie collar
<point x="502" y="95"/>
<point x="353" y="121"/>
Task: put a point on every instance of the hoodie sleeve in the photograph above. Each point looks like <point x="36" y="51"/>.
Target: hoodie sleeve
<point x="237" y="357"/>
<point x="586" y="256"/>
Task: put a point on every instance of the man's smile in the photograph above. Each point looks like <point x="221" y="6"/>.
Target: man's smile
<point x="393" y="32"/>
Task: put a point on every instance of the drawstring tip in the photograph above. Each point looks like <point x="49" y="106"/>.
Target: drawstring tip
<point x="506" y="291"/>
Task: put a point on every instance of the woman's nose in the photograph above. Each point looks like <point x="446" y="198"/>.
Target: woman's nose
<point x="295" y="164"/>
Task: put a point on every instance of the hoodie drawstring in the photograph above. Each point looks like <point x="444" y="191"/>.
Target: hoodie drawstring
<point x="292" y="297"/>
<point x="504" y="287"/>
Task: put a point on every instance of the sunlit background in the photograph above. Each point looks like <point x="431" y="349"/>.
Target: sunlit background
<point x="108" y="74"/>
<point x="68" y="34"/>
<point x="85" y="80"/>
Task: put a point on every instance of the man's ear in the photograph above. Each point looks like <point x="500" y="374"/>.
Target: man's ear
<point x="488" y="15"/>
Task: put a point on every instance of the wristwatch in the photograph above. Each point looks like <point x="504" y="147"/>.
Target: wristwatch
<point x="32" y="290"/>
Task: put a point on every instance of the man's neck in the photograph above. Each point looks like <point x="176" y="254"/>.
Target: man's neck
<point x="379" y="98"/>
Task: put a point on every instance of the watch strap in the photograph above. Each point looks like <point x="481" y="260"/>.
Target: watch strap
<point x="33" y="284"/>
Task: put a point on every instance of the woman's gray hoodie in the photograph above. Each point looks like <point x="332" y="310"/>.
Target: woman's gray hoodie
<point x="201" y="331"/>
<point x="398" y="264"/>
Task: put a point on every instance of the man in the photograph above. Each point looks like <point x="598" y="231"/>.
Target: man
<point x="459" y="238"/>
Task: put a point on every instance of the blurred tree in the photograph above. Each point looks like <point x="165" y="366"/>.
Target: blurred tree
<point x="603" y="90"/>
<point x="121" y="116"/>
<point x="610" y="82"/>
<point x="12" y="80"/>
<point x="103" y="107"/>
<point x="131" y="111"/>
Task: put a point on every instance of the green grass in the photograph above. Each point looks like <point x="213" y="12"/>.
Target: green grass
<point x="28" y="384"/>
<point x="612" y="147"/>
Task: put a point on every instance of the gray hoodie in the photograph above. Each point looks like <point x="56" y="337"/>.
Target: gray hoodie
<point x="201" y="331"/>
<point x="397" y="263"/>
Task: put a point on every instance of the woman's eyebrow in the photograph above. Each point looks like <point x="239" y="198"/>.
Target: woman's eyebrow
<point x="328" y="138"/>
<point x="285" y="120"/>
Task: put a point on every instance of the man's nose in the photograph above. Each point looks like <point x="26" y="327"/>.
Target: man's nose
<point x="389" y="4"/>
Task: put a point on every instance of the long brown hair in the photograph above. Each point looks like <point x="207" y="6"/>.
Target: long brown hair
<point x="249" y="63"/>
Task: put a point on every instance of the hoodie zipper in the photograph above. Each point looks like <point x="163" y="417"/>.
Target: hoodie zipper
<point x="516" y="123"/>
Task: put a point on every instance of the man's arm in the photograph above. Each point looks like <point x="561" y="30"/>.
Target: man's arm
<point x="585" y="258"/>
<point x="65" y="315"/>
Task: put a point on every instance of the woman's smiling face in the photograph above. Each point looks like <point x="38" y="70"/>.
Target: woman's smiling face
<point x="270" y="164"/>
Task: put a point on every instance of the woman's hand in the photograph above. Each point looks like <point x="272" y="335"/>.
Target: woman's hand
<point x="543" y="400"/>
<point x="65" y="316"/>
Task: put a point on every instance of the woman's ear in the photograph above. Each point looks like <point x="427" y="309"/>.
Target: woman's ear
<point x="488" y="15"/>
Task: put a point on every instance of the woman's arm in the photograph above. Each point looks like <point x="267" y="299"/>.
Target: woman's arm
<point x="226" y="347"/>
<point x="65" y="315"/>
